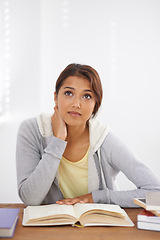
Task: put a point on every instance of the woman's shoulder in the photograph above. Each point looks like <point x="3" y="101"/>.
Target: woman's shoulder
<point x="116" y="146"/>
<point x="28" y="125"/>
<point x="40" y="123"/>
<point x="113" y="140"/>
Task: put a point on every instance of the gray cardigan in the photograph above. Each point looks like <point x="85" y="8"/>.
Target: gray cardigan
<point x="38" y="155"/>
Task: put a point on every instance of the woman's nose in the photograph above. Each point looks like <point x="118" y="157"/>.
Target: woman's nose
<point x="76" y="103"/>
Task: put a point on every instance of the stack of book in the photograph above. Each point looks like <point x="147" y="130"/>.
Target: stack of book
<point x="149" y="218"/>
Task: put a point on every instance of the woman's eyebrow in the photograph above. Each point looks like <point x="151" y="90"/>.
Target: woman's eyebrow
<point x="70" y="88"/>
<point x="86" y="90"/>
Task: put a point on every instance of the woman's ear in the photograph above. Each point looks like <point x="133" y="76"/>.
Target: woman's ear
<point x="55" y="98"/>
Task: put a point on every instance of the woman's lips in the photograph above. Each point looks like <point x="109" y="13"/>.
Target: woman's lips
<point x="74" y="114"/>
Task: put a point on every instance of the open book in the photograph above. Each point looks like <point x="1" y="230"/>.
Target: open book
<point x="78" y="214"/>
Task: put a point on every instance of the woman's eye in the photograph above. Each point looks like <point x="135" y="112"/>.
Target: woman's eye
<point x="68" y="93"/>
<point x="87" y="96"/>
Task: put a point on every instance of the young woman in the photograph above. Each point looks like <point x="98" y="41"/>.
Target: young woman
<point x="69" y="157"/>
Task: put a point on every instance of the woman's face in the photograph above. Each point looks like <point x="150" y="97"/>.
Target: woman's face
<point x="75" y="100"/>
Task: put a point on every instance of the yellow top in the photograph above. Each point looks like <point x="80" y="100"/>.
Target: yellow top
<point x="73" y="177"/>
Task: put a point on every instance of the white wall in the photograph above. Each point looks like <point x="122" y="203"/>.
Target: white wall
<point x="120" y="38"/>
<point x="20" y="26"/>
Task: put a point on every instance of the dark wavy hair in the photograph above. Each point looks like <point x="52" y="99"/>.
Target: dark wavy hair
<point x="87" y="72"/>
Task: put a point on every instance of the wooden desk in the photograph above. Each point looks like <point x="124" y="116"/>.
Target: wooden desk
<point x="86" y="233"/>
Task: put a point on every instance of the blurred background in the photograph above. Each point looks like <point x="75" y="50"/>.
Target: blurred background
<point x="119" y="38"/>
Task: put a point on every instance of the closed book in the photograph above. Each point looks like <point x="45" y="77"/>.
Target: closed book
<point x="148" y="226"/>
<point x="146" y="220"/>
<point x="153" y="201"/>
<point x="8" y="221"/>
<point x="147" y="216"/>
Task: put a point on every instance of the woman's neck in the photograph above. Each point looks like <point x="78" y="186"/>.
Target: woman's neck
<point x="75" y="133"/>
<point x="77" y="143"/>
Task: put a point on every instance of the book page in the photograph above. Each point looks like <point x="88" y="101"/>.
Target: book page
<point x="82" y="208"/>
<point x="105" y="220"/>
<point x="37" y="212"/>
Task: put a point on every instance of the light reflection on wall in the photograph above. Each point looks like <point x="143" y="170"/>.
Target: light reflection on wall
<point x="5" y="59"/>
<point x="65" y="14"/>
<point x="113" y="57"/>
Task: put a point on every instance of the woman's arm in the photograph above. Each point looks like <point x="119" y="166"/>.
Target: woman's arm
<point x="36" y="172"/>
<point x="87" y="198"/>
<point x="120" y="158"/>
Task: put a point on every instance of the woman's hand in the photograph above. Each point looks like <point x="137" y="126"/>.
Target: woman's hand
<point x="81" y="199"/>
<point x="58" y="125"/>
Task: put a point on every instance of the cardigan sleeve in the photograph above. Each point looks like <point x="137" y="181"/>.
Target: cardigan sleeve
<point x="116" y="155"/>
<point x="36" y="171"/>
